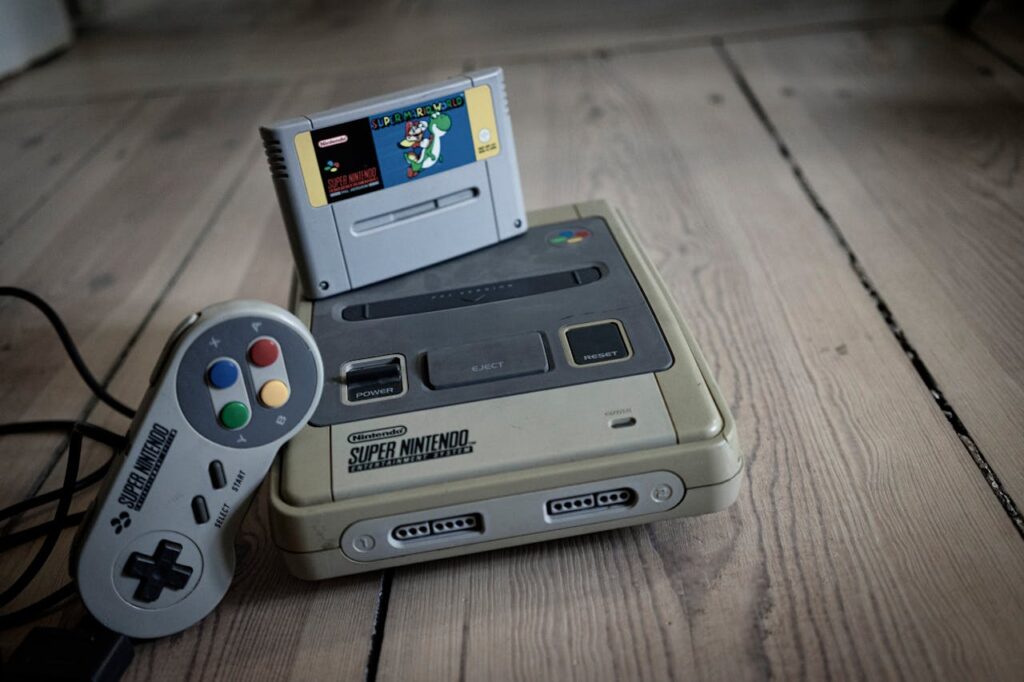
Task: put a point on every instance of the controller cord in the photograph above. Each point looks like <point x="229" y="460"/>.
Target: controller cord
<point x="77" y="430"/>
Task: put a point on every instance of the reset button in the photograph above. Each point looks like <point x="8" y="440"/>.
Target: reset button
<point x="593" y="344"/>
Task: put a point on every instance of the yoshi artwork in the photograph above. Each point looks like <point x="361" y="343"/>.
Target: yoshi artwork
<point x="423" y="142"/>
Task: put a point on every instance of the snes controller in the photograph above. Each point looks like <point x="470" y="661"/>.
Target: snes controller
<point x="234" y="383"/>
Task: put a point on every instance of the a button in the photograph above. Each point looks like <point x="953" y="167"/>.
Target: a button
<point x="596" y="343"/>
<point x="222" y="374"/>
<point x="217" y="477"/>
<point x="199" y="509"/>
<point x="234" y="415"/>
<point x="157" y="572"/>
<point x="274" y="393"/>
<point x="378" y="380"/>
<point x="264" y="353"/>
<point x="474" y="363"/>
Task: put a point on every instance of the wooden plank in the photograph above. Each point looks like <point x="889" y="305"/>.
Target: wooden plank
<point x="912" y="140"/>
<point x="103" y="249"/>
<point x="864" y="543"/>
<point x="317" y="40"/>
<point x="270" y="624"/>
<point x="43" y="148"/>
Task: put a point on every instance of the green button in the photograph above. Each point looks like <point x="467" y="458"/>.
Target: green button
<point x="234" y="415"/>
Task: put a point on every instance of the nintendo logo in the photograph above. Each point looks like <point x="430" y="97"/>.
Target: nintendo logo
<point x="377" y="434"/>
<point x="331" y="141"/>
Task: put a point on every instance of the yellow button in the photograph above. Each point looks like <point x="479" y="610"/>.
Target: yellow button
<point x="274" y="393"/>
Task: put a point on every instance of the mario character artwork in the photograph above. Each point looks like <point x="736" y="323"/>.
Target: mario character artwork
<point x="423" y="142"/>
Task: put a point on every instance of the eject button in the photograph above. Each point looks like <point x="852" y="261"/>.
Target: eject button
<point x="474" y="363"/>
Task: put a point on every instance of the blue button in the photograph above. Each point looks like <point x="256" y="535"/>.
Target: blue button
<point x="223" y="374"/>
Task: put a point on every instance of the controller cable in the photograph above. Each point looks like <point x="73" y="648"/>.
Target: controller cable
<point x="51" y="530"/>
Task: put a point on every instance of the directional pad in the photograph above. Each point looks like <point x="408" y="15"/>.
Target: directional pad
<point x="158" y="571"/>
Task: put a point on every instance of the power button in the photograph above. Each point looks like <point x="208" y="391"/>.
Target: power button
<point x="373" y="379"/>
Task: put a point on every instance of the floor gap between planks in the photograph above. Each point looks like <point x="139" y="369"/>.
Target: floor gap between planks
<point x="927" y="378"/>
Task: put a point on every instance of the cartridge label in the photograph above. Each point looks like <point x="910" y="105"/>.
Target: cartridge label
<point x="402" y="145"/>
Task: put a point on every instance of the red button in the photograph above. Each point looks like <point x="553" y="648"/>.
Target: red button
<point x="263" y="353"/>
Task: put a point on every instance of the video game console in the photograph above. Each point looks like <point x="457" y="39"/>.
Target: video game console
<point x="541" y="388"/>
<point x="234" y="382"/>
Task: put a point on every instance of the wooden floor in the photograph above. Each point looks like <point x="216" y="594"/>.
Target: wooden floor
<point x="832" y="190"/>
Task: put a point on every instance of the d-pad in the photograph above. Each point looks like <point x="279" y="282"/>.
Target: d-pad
<point x="158" y="571"/>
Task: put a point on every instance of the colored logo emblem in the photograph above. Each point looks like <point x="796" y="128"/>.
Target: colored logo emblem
<point x="568" y="237"/>
<point x="331" y="167"/>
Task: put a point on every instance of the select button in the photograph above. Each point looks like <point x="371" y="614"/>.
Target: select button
<point x="475" y="363"/>
<point x="597" y="343"/>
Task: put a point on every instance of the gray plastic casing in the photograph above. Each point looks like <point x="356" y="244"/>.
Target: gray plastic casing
<point x="115" y="528"/>
<point x="681" y="456"/>
<point x="417" y="337"/>
<point x="332" y="256"/>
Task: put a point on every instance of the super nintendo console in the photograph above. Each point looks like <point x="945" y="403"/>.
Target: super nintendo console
<point x="541" y="388"/>
<point x="384" y="186"/>
<point x="234" y="382"/>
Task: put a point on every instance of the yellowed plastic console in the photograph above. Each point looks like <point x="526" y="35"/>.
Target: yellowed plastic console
<point x="535" y="476"/>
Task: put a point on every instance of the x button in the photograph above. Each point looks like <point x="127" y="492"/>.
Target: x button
<point x="157" y="571"/>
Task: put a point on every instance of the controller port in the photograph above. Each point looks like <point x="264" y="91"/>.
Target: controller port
<point x="464" y="523"/>
<point x="456" y="524"/>
<point x="599" y="501"/>
<point x="568" y="505"/>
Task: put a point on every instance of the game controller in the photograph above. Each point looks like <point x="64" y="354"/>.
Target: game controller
<point x="234" y="383"/>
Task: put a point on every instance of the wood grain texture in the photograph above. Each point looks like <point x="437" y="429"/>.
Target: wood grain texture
<point x="42" y="149"/>
<point x="864" y="544"/>
<point x="270" y="625"/>
<point x="913" y="140"/>
<point x="105" y="247"/>
<point x="199" y="44"/>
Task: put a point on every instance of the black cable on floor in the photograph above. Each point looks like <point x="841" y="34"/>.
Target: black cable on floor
<point x="69" y="346"/>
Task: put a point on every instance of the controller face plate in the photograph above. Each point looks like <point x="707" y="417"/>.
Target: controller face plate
<point x="234" y="341"/>
<point x="233" y="385"/>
